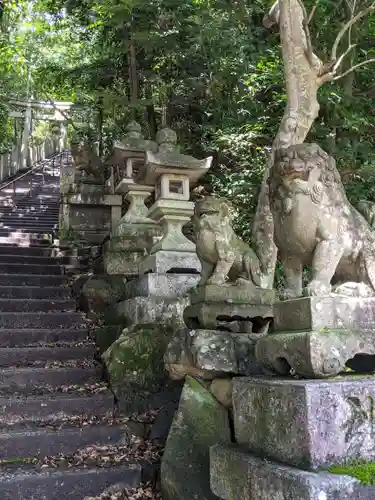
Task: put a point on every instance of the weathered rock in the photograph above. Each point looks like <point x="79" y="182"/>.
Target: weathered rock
<point x="222" y="389"/>
<point x="318" y="354"/>
<point x="99" y="292"/>
<point x="106" y="335"/>
<point x="308" y="424"/>
<point x="135" y="365"/>
<point x="199" y="423"/>
<point x="210" y="353"/>
<point x="237" y="475"/>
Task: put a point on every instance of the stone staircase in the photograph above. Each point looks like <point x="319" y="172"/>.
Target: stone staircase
<point x="53" y="403"/>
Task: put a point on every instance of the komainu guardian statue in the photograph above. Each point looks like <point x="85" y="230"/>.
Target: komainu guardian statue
<point x="315" y="225"/>
<point x="224" y="256"/>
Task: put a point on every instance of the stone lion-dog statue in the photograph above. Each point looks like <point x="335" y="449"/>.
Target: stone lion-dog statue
<point x="225" y="257"/>
<point x="315" y="225"/>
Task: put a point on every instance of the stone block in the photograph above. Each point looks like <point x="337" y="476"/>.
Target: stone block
<point x="160" y="285"/>
<point x="240" y="318"/>
<point x="306" y="423"/>
<point x="169" y="262"/>
<point x="315" y="313"/>
<point x="211" y="353"/>
<point x="200" y="422"/>
<point x="237" y="475"/>
<point x="123" y="262"/>
<point x="148" y="310"/>
<point x="317" y="354"/>
<point x="232" y="294"/>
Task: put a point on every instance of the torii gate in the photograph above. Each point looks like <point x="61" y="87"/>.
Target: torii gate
<point x="28" y="113"/>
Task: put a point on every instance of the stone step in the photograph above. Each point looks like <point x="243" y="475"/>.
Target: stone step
<point x="34" y="227"/>
<point x="40" y="336"/>
<point x="35" y="250"/>
<point x="41" y="320"/>
<point x="25" y="356"/>
<point x="31" y="232"/>
<point x="12" y="268"/>
<point x="34" y="292"/>
<point x="16" y="217"/>
<point x="32" y="209"/>
<point x="26" y="379"/>
<point x="36" y="305"/>
<point x="32" y="280"/>
<point x="42" y="443"/>
<point x="72" y="484"/>
<point x="52" y="408"/>
<point x="36" y="260"/>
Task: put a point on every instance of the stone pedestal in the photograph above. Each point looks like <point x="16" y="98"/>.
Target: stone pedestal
<point x="89" y="214"/>
<point x="290" y="433"/>
<point x="224" y="323"/>
<point x="124" y="252"/>
<point x="320" y="337"/>
<point x="241" y="308"/>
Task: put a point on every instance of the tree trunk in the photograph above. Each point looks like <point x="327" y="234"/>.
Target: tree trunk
<point x="301" y="69"/>
<point x="133" y="75"/>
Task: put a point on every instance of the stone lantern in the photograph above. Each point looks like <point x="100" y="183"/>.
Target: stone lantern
<point x="135" y="233"/>
<point x="173" y="174"/>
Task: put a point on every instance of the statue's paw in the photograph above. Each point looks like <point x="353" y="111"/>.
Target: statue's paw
<point x="317" y="288"/>
<point x="216" y="281"/>
<point x="289" y="293"/>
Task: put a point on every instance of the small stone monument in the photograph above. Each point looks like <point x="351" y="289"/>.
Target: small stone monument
<point x="173" y="174"/>
<point x="229" y="310"/>
<point x="323" y="414"/>
<point x="89" y="208"/>
<point x="135" y="233"/>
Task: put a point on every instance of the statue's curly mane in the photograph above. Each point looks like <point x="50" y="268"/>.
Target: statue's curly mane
<point x="310" y="156"/>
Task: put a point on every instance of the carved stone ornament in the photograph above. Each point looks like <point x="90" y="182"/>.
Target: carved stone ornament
<point x="315" y="225"/>
<point x="86" y="160"/>
<point x="224" y="256"/>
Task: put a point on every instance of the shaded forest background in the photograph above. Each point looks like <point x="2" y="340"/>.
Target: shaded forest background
<point x="206" y="68"/>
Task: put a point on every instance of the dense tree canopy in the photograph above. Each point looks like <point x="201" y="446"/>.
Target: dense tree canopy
<point x="207" y="68"/>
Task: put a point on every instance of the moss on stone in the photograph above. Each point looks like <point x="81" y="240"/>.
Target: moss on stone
<point x="135" y="363"/>
<point x="363" y="471"/>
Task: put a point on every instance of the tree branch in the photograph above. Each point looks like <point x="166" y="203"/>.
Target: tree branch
<point x="313" y="10"/>
<point x="347" y="26"/>
<point x="305" y="23"/>
<point x="353" y="68"/>
<point x="342" y="57"/>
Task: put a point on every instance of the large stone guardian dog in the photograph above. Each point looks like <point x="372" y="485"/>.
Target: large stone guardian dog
<point x="315" y="225"/>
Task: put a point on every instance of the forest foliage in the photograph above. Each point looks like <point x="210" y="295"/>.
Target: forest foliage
<point x="207" y="68"/>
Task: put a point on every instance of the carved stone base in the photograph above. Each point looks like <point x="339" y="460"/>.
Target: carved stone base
<point x="160" y="285"/>
<point x="149" y="310"/>
<point x="309" y="424"/>
<point x="334" y="311"/>
<point x="211" y="353"/>
<point x="233" y="294"/>
<point x="238" y="474"/>
<point x="317" y="354"/>
<point x="123" y="253"/>
<point x="170" y="262"/>
<point x="239" y="318"/>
